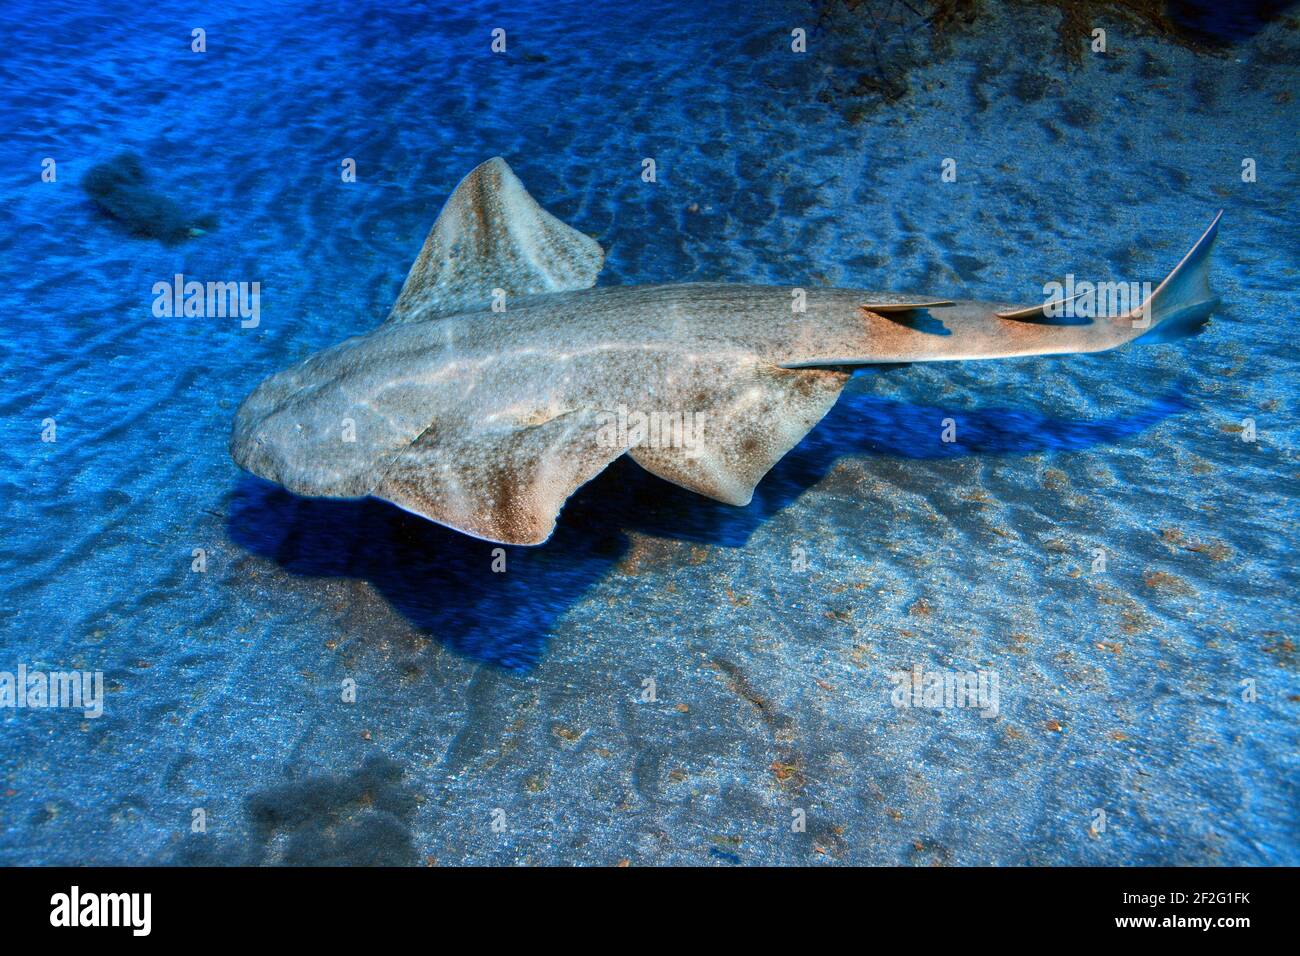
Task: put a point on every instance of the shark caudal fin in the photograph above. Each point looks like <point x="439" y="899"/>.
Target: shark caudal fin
<point x="1182" y="303"/>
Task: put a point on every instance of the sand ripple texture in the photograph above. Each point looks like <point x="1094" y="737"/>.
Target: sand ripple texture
<point x="769" y="633"/>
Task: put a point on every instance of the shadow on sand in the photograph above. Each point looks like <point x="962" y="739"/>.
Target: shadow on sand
<point x="442" y="581"/>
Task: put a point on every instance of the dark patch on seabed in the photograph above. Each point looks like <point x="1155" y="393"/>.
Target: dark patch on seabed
<point x="357" y="819"/>
<point x="121" y="190"/>
<point x="668" y="680"/>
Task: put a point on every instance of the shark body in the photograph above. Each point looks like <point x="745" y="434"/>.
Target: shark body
<point x="486" y="419"/>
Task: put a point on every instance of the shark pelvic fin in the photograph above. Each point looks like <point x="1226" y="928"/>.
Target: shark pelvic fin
<point x="505" y="484"/>
<point x="490" y="235"/>
<point x="743" y="430"/>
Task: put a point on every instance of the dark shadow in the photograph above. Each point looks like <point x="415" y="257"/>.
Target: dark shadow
<point x="858" y="425"/>
<point x="920" y="320"/>
<point x="443" y="581"/>
<point x="1042" y="319"/>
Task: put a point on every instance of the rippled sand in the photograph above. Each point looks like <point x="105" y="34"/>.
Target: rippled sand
<point x="1120" y="690"/>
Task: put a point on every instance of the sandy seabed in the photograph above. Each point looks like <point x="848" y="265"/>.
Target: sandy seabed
<point x="502" y="718"/>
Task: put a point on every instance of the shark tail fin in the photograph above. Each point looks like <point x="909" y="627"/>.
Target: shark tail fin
<point x="1182" y="303"/>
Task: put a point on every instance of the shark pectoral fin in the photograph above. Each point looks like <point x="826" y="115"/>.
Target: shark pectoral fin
<point x="738" y="436"/>
<point x="492" y="234"/>
<point x="505" y="486"/>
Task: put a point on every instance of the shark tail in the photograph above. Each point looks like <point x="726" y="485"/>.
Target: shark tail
<point x="1181" y="304"/>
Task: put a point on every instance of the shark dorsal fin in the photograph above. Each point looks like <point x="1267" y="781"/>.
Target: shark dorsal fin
<point x="1037" y="313"/>
<point x="490" y="235"/>
<point x="890" y="304"/>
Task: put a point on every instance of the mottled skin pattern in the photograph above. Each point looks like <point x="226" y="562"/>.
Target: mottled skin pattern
<point x="487" y="421"/>
<point x="493" y="234"/>
<point x="446" y="404"/>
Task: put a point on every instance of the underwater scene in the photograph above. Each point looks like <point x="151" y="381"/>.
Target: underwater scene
<point x="815" y="433"/>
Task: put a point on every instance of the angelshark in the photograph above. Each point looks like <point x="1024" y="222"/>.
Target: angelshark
<point x="502" y="380"/>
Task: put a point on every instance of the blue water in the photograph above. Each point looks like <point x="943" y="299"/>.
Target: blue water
<point x="500" y="718"/>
